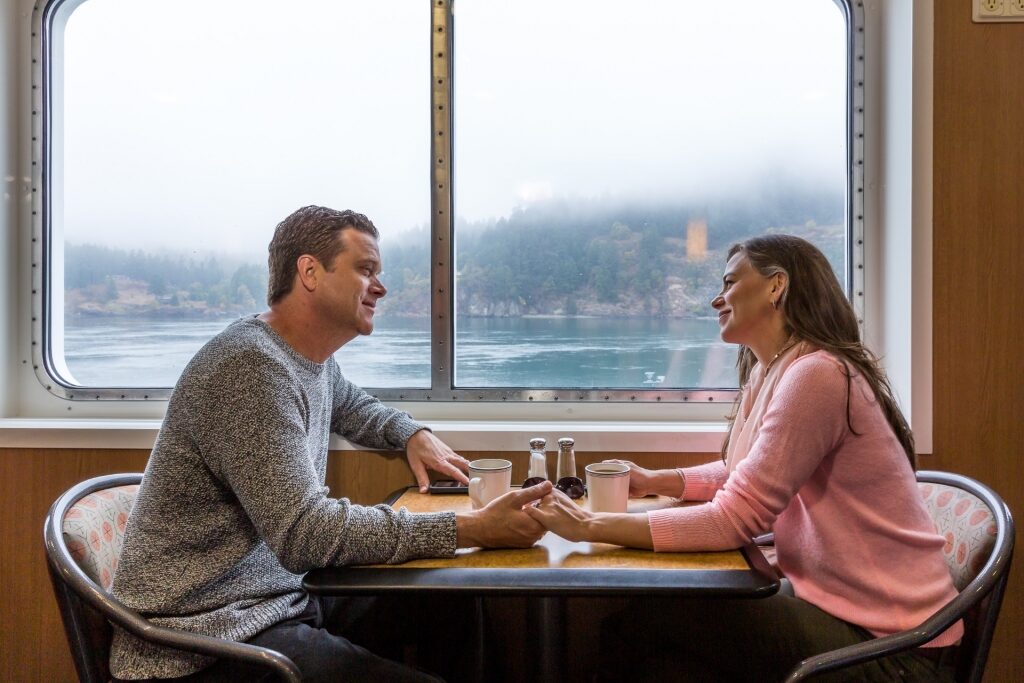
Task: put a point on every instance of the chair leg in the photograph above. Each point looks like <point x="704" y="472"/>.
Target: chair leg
<point x="76" y="624"/>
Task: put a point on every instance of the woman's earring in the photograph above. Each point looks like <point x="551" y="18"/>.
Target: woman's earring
<point x="775" y="304"/>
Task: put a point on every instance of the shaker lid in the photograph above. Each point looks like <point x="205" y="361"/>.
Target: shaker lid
<point x="538" y="443"/>
<point x="566" y="442"/>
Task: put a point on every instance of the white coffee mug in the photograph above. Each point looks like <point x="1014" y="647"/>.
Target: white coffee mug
<point x="488" y="479"/>
<point x="607" y="486"/>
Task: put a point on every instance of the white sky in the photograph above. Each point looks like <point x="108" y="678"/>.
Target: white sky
<point x="199" y="124"/>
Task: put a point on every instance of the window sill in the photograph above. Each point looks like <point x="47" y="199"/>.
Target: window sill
<point x="594" y="436"/>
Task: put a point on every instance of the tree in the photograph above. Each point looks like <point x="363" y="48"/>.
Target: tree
<point x="247" y="282"/>
<point x="606" y="272"/>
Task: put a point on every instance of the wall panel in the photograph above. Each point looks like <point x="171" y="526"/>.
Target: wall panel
<point x="34" y="648"/>
<point x="978" y="312"/>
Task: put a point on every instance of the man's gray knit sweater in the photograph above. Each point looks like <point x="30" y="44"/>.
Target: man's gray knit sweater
<point x="233" y="509"/>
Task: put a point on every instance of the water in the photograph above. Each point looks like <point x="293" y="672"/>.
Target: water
<point x="491" y="352"/>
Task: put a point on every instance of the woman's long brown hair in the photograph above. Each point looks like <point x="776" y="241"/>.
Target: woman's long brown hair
<point x="817" y="311"/>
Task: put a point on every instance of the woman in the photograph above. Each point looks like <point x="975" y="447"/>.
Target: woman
<point x="819" y="453"/>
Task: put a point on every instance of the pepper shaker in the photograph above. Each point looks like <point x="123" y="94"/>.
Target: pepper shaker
<point x="566" y="458"/>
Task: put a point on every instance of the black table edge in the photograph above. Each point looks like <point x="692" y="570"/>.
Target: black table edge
<point x="395" y="495"/>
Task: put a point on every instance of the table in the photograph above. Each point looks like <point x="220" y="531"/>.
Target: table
<point x="553" y="570"/>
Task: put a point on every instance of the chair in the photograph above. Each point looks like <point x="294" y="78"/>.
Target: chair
<point x="83" y="533"/>
<point x="979" y="547"/>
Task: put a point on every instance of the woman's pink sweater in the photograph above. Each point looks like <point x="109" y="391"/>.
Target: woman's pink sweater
<point x="851" y="530"/>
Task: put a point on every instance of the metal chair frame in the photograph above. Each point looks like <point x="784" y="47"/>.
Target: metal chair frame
<point x="86" y="608"/>
<point x="977" y="604"/>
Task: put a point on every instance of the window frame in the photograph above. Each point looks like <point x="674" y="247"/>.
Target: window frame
<point x="48" y="19"/>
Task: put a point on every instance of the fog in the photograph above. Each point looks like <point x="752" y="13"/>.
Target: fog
<point x="199" y="124"/>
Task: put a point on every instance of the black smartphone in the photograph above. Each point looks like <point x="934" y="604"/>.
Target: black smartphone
<point x="448" y="486"/>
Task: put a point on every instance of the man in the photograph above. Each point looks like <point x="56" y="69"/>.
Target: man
<point x="233" y="508"/>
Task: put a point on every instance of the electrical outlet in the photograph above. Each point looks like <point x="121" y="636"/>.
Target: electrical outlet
<point x="988" y="10"/>
<point x="984" y="11"/>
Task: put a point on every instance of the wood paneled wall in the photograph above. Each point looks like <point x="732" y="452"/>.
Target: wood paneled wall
<point x="979" y="277"/>
<point x="32" y="644"/>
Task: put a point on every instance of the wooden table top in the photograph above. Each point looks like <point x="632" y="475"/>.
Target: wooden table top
<point x="553" y="567"/>
<point x="554" y="552"/>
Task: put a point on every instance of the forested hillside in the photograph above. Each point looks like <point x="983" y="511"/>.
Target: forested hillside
<point x="555" y="258"/>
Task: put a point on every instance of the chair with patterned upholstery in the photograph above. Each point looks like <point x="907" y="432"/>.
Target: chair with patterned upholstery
<point x="978" y="530"/>
<point x="83" y="533"/>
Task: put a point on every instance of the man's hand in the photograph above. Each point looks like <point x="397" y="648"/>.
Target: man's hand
<point x="426" y="451"/>
<point x="503" y="523"/>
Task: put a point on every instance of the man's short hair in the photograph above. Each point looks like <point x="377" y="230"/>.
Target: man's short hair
<point x="312" y="230"/>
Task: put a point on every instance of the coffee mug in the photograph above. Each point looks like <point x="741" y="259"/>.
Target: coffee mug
<point x="608" y="486"/>
<point x="488" y="479"/>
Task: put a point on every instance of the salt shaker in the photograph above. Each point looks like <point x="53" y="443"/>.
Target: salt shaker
<point x="538" y="460"/>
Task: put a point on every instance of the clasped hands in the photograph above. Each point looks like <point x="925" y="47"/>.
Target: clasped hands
<point x="559" y="514"/>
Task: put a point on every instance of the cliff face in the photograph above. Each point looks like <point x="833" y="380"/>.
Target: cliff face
<point x="674" y="302"/>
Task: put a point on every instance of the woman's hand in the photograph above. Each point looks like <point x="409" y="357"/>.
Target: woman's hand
<point x="644" y="482"/>
<point x="559" y="514"/>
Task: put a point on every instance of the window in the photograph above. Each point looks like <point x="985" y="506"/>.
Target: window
<point x="605" y="164"/>
<point x="588" y="169"/>
<point x="184" y="131"/>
